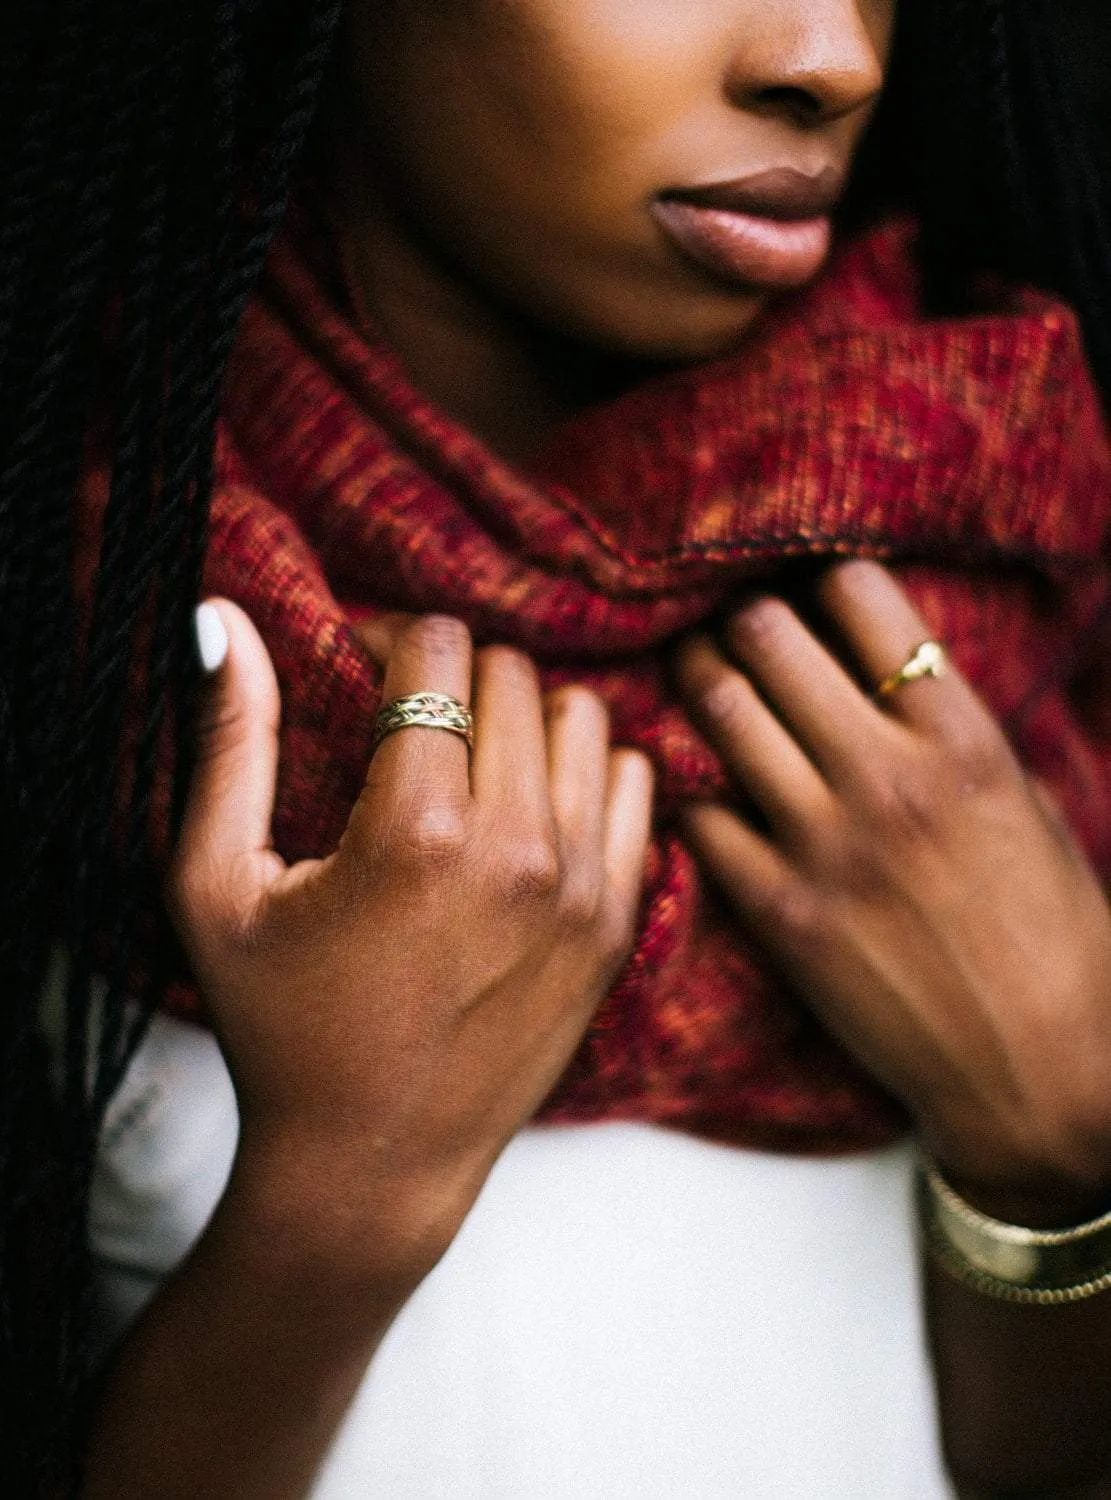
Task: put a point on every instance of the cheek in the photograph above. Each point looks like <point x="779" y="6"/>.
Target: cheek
<point x="606" y="78"/>
<point x="529" y="157"/>
<point x="537" y="105"/>
<point x="525" y="138"/>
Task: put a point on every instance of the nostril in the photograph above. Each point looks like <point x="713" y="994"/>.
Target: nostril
<point x="795" y="97"/>
<point x="799" y="103"/>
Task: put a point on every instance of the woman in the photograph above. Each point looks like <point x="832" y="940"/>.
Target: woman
<point x="539" y="206"/>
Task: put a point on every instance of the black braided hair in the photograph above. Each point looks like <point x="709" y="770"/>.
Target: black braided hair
<point x="978" y="134"/>
<point x="145" y="152"/>
<point x="146" y="148"/>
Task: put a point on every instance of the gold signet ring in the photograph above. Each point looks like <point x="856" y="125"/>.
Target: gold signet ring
<point x="928" y="660"/>
<point x="424" y="711"/>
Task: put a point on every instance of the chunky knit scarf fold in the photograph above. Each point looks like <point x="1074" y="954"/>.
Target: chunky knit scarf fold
<point x="969" y="452"/>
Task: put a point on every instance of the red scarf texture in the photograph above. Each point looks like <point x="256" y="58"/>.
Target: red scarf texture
<point x="969" y="452"/>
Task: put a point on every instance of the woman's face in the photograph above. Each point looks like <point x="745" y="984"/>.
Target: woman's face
<point x="639" y="174"/>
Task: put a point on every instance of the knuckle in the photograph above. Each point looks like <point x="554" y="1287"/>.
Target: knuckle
<point x="722" y="700"/>
<point x="573" y="700"/>
<point x="432" y="832"/>
<point x="441" y="637"/>
<point x="853" y="578"/>
<point x="977" y="755"/>
<point x="760" y="622"/>
<point x="527" y="872"/>
<point x="506" y="661"/>
<point x="793" y="910"/>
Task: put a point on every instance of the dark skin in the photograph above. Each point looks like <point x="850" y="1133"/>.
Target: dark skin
<point x="928" y="900"/>
<point x="494" y="163"/>
<point x="491" y="167"/>
<point x="508" y="887"/>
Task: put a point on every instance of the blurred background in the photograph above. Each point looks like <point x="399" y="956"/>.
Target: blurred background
<point x="1086" y="36"/>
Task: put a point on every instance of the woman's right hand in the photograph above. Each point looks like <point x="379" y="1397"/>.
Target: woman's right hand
<point x="393" y="1013"/>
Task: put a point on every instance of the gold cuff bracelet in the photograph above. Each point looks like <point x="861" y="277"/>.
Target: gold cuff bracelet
<point x="1006" y="1261"/>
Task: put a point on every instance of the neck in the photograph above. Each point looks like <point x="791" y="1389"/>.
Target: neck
<point x="507" y="380"/>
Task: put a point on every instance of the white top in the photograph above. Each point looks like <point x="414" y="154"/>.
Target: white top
<point x="628" y="1312"/>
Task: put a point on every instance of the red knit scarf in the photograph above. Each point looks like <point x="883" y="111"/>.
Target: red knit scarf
<point x="971" y="452"/>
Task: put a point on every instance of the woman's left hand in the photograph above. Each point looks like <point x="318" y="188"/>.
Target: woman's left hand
<point x="918" y="888"/>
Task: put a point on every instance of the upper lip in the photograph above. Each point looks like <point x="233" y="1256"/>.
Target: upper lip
<point x="780" y="193"/>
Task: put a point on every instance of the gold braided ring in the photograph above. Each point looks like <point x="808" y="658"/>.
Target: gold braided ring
<point x="927" y="660"/>
<point x="424" y="711"/>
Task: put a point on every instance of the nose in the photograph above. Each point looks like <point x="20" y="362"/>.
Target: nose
<point x="811" y="62"/>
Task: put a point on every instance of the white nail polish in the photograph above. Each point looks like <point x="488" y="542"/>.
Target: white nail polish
<point x="212" y="638"/>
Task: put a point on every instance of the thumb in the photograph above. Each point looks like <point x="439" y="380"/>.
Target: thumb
<point x="224" y="862"/>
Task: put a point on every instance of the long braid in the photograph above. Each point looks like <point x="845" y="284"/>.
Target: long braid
<point x="178" y="541"/>
<point x="41" y="461"/>
<point x="138" y="341"/>
<point x="1004" y="179"/>
<point x="1074" y="214"/>
<point x="193" y="232"/>
<point x="138" y="209"/>
<point x="177" y="545"/>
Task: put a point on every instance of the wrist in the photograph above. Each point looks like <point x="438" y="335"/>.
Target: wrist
<point x="1049" y="1180"/>
<point x="1012" y="1262"/>
<point x="1033" y="1200"/>
<point x="319" y="1211"/>
<point x="1032" y="1197"/>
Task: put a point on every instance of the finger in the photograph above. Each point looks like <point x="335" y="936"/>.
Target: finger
<point x="834" y="722"/>
<point x="751" y="871"/>
<point x="627" y="829"/>
<point x="380" y="633"/>
<point x="223" y="861"/>
<point x="510" y="769"/>
<point x="578" y="771"/>
<point x="883" y="629"/>
<point x="432" y="654"/>
<point x="758" y="751"/>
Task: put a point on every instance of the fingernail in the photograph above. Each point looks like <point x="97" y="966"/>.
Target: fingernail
<point x="212" y="638"/>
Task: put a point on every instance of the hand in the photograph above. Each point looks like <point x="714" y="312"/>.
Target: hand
<point x="393" y="1013"/>
<point x="918" y="889"/>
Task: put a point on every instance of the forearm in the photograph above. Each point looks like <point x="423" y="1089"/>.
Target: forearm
<point x="237" y="1376"/>
<point x="1025" y="1393"/>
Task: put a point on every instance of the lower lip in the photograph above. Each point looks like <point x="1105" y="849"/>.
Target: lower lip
<point x="744" y="249"/>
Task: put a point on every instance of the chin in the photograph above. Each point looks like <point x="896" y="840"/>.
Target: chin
<point x="685" y="344"/>
<point x="698" y="345"/>
<point x="667" y="331"/>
